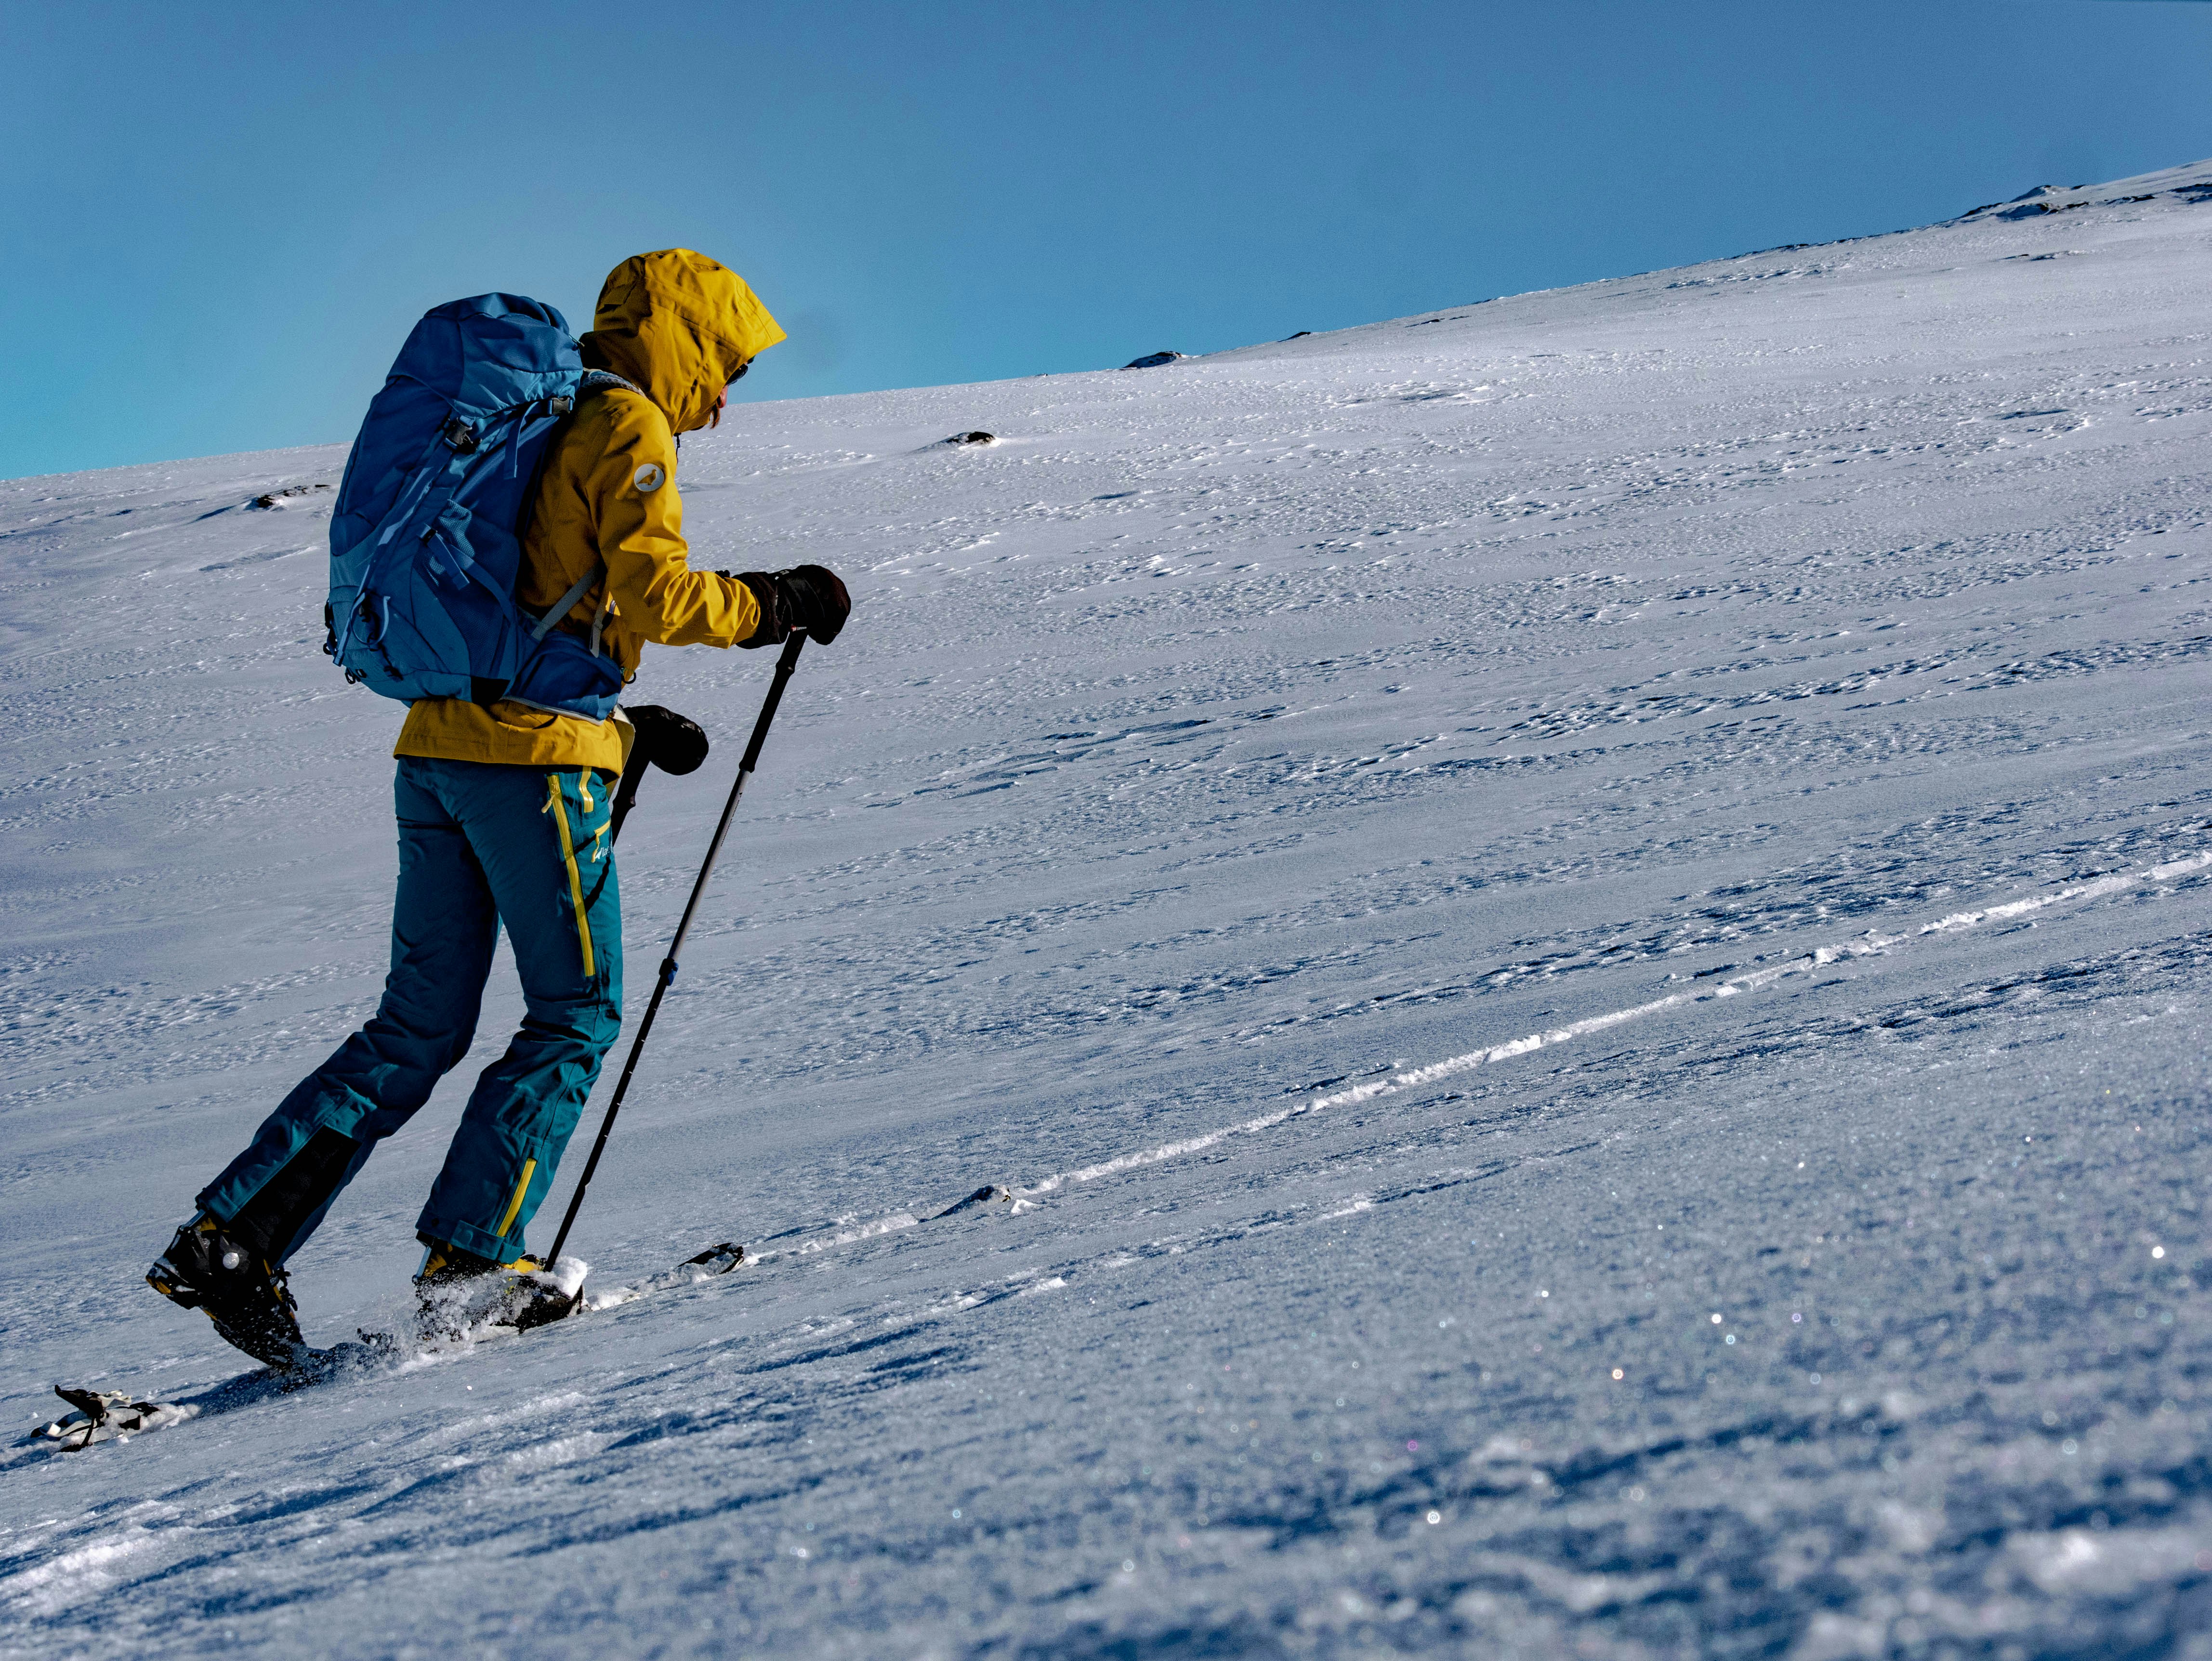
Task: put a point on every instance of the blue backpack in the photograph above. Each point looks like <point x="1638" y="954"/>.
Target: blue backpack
<point x="426" y="537"/>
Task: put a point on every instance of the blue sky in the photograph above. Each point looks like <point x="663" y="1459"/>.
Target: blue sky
<point x="222" y="222"/>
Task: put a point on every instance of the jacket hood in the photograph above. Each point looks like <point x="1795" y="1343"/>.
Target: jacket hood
<point x="678" y="325"/>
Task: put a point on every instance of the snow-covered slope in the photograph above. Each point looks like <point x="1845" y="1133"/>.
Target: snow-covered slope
<point x="1580" y="924"/>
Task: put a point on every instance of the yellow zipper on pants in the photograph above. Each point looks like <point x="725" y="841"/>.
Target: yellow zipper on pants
<point x="514" y="1205"/>
<point x="569" y="857"/>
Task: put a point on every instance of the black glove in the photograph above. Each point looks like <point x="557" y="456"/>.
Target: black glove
<point x="807" y="597"/>
<point x="665" y="739"/>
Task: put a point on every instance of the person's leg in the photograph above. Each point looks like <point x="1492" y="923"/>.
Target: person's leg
<point x="542" y="840"/>
<point x="273" y="1195"/>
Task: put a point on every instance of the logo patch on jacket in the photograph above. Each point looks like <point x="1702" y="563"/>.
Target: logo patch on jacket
<point x="648" y="478"/>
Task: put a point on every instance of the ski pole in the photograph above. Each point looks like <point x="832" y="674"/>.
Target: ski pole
<point x="784" y="666"/>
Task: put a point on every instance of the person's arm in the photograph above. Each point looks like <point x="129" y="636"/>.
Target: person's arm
<point x="640" y="520"/>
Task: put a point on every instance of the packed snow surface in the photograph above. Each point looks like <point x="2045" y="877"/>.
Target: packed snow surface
<point x="1577" y="929"/>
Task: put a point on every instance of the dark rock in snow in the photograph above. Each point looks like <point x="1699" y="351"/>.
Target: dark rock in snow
<point x="1152" y="360"/>
<point x="1300" y="335"/>
<point x="276" y="498"/>
<point x="979" y="436"/>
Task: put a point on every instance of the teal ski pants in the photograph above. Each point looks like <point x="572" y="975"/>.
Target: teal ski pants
<point x="480" y="846"/>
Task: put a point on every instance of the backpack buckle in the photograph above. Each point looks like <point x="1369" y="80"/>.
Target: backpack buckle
<point x="559" y="406"/>
<point x="461" y="435"/>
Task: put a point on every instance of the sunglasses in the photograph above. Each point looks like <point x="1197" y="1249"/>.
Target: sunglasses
<point x="739" y="372"/>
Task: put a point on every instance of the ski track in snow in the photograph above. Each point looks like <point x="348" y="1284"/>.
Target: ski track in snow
<point x="1524" y="980"/>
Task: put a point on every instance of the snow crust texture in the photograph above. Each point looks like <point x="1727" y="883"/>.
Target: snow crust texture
<point x="1525" y="982"/>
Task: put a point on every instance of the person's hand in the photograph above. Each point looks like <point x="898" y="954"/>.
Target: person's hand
<point x="665" y="739"/>
<point x="807" y="597"/>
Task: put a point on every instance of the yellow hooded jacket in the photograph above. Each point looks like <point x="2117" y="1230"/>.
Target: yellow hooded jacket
<point x="677" y="325"/>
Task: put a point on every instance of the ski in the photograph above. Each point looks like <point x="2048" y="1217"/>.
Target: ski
<point x="101" y="1416"/>
<point x="98" y="1417"/>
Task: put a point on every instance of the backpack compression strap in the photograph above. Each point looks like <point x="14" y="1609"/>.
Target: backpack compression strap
<point x="577" y="590"/>
<point x="594" y="381"/>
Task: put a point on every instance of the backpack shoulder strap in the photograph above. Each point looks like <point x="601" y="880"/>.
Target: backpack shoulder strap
<point x="593" y="381"/>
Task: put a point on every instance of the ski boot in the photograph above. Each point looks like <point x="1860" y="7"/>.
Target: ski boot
<point x="247" y="1297"/>
<point x="457" y="1292"/>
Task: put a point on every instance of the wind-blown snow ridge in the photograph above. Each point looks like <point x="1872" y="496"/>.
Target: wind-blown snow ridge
<point x="2095" y="889"/>
<point x="1755" y="980"/>
<point x="867" y="1230"/>
<point x="691" y="1274"/>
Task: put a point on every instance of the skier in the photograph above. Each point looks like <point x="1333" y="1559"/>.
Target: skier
<point x="503" y="815"/>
